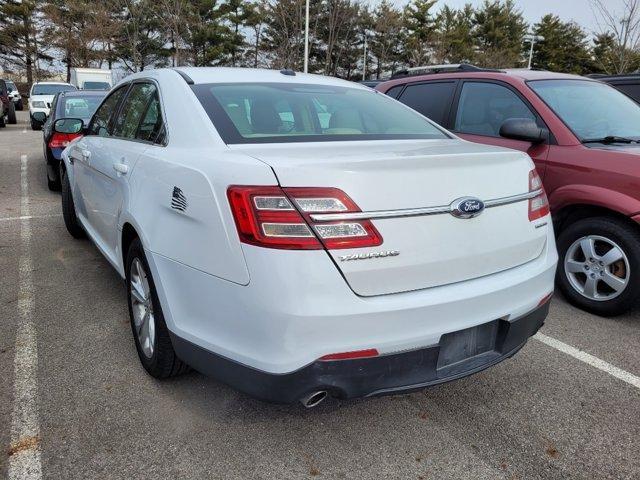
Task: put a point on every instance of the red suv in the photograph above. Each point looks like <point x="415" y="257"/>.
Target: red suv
<point x="584" y="137"/>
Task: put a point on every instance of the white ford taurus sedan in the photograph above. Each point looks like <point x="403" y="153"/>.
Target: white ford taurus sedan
<point x="299" y="237"/>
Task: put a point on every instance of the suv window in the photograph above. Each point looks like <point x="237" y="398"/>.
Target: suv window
<point x="133" y="109"/>
<point x="393" y="92"/>
<point x="430" y="99"/>
<point x="484" y="107"/>
<point x="100" y="122"/>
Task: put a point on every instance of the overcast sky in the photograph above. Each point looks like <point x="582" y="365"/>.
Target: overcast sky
<point x="578" y="10"/>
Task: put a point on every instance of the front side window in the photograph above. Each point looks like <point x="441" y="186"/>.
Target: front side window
<point x="50" y="89"/>
<point x="484" y="107"/>
<point x="133" y="109"/>
<point x="281" y="113"/>
<point x="592" y="110"/>
<point x="100" y="123"/>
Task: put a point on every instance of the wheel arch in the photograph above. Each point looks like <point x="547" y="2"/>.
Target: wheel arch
<point x="572" y="213"/>
<point x="128" y="235"/>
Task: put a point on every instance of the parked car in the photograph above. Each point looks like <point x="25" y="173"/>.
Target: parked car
<point x="14" y="95"/>
<point x="72" y="103"/>
<point x="298" y="236"/>
<point x="628" y="84"/>
<point x="583" y="136"/>
<point x="91" y="78"/>
<point x="8" y="109"/>
<point x="40" y="98"/>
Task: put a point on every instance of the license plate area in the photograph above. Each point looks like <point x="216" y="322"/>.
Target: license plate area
<point x="470" y="348"/>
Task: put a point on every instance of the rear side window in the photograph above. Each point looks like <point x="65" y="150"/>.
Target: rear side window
<point x="288" y="112"/>
<point x="631" y="90"/>
<point x="151" y="128"/>
<point x="432" y="100"/>
<point x="133" y="109"/>
<point x="100" y="123"/>
<point x="484" y="107"/>
<point x="393" y="92"/>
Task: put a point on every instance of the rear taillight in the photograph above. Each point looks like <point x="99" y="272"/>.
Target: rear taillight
<point x="538" y="205"/>
<point x="281" y="218"/>
<point x="61" y="140"/>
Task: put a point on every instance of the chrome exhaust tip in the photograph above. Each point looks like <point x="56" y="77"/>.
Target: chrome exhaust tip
<point x="314" y="399"/>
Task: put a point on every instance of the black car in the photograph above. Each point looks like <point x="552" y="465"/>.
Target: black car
<point x="628" y="84"/>
<point x="70" y="104"/>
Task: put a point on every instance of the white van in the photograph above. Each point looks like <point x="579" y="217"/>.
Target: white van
<point x="91" y="78"/>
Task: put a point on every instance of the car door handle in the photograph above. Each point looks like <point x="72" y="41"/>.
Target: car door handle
<point x="121" y="168"/>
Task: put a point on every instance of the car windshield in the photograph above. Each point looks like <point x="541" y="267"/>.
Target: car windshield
<point x="10" y="86"/>
<point x="281" y="113"/>
<point x="79" y="107"/>
<point x="96" y="86"/>
<point x="592" y="110"/>
<point x="50" y="89"/>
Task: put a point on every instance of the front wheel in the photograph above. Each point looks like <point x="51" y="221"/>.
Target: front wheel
<point x="150" y="332"/>
<point x="599" y="265"/>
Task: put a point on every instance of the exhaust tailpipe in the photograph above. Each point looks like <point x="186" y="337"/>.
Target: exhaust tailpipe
<point x="313" y="399"/>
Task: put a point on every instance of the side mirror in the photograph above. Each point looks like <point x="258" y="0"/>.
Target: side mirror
<point x="523" y="129"/>
<point x="39" y="116"/>
<point x="68" y="125"/>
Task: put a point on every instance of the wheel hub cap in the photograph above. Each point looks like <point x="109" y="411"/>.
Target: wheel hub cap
<point x="142" y="308"/>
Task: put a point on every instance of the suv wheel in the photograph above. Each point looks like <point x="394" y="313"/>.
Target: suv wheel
<point x="149" y="329"/>
<point x="599" y="265"/>
<point x="69" y="210"/>
<point x="11" y="116"/>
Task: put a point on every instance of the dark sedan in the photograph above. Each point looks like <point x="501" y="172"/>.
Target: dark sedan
<point x="72" y="104"/>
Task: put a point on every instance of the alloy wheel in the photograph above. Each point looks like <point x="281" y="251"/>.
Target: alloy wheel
<point x="142" y="307"/>
<point x="597" y="267"/>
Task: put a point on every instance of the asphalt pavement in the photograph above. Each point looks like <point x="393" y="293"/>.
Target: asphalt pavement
<point x="76" y="404"/>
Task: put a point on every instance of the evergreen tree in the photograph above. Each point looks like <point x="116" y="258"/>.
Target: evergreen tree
<point x="564" y="48"/>
<point x="454" y="41"/>
<point x="499" y="28"/>
<point x="421" y="25"/>
<point x="387" y="39"/>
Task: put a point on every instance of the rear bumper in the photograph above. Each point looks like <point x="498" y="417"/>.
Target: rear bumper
<point x="382" y="375"/>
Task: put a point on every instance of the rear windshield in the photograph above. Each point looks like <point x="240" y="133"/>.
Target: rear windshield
<point x="78" y="107"/>
<point x="44" y="89"/>
<point x="96" y="86"/>
<point x="282" y="113"/>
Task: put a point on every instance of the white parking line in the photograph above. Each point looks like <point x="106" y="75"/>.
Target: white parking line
<point x="24" y="451"/>
<point x="29" y="217"/>
<point x="589" y="359"/>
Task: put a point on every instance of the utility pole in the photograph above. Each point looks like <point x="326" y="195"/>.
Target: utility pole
<point x="364" y="59"/>
<point x="306" y="39"/>
<point x="532" y="39"/>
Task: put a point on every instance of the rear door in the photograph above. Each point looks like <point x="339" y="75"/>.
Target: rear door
<point x="480" y="109"/>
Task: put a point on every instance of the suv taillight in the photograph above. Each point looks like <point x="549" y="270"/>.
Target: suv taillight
<point x="274" y="217"/>
<point x="61" y="140"/>
<point x="539" y="205"/>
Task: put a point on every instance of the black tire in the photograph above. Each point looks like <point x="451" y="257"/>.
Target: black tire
<point x="627" y="238"/>
<point x="11" y="116"/>
<point x="68" y="209"/>
<point x="54" y="184"/>
<point x="163" y="361"/>
<point x="35" y="125"/>
<point x="19" y="105"/>
<point x="2" y="122"/>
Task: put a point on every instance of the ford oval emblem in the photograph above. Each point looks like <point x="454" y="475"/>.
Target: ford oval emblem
<point x="467" y="207"/>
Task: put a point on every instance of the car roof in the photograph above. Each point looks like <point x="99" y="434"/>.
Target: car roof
<point x="517" y="74"/>
<point x="84" y="93"/>
<point x="202" y="75"/>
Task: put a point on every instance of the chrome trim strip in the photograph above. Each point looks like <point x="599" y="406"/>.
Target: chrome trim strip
<point x="417" y="212"/>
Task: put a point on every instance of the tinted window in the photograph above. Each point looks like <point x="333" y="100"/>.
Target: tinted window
<point x="100" y="122"/>
<point x="279" y="113"/>
<point x="432" y="100"/>
<point x="78" y="107"/>
<point x="633" y="90"/>
<point x="133" y="109"/>
<point x="44" y="89"/>
<point x="96" y="86"/>
<point x="150" y="128"/>
<point x="592" y="110"/>
<point x="393" y="92"/>
<point x="484" y="107"/>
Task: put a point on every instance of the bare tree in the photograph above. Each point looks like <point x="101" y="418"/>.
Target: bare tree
<point x="624" y="28"/>
<point x="174" y="17"/>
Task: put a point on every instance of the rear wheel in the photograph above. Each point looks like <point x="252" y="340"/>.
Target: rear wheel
<point x="599" y="265"/>
<point x="2" y="122"/>
<point x="53" y="181"/>
<point x="68" y="209"/>
<point x="19" y="105"/>
<point x="11" y="116"/>
<point x="149" y="329"/>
